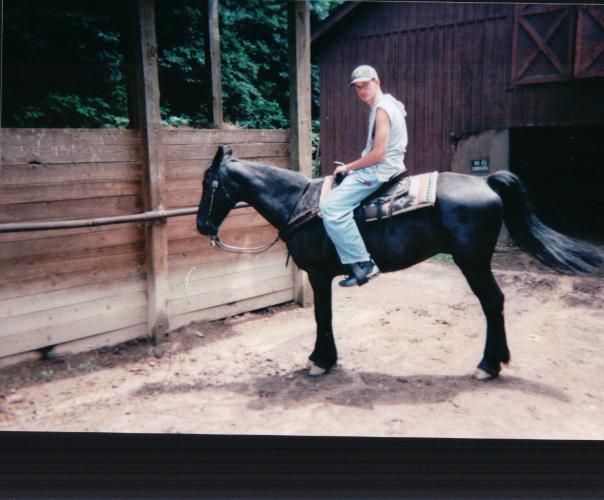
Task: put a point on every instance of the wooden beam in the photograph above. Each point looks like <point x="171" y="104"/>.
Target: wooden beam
<point x="149" y="118"/>
<point x="212" y="52"/>
<point x="300" y="113"/>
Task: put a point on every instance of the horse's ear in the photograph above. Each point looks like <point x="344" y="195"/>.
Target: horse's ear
<point x="221" y="154"/>
<point x="218" y="157"/>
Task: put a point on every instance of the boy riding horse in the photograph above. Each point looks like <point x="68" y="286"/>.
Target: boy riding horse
<point x="381" y="159"/>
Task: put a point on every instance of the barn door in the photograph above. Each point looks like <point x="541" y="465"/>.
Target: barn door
<point x="543" y="43"/>
<point x="589" y="50"/>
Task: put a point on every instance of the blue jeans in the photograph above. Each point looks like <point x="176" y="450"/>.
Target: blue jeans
<point x="337" y="213"/>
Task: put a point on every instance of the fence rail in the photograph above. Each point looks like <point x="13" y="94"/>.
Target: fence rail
<point x="17" y="227"/>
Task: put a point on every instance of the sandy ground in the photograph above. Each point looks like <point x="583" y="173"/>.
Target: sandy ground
<point x="408" y="343"/>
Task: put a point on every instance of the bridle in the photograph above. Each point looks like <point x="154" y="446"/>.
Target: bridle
<point x="217" y="184"/>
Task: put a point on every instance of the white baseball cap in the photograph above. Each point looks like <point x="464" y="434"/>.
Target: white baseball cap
<point x="363" y="73"/>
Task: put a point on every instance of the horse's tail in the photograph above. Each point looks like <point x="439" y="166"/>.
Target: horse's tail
<point x="553" y="249"/>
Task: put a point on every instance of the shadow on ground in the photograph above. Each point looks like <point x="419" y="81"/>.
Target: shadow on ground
<point x="358" y="389"/>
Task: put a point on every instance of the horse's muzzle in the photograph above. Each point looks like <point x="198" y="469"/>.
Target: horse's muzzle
<point x="207" y="229"/>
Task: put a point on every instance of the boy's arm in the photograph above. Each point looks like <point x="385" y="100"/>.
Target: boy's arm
<point x="382" y="134"/>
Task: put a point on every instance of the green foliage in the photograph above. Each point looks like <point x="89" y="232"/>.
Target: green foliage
<point x="181" y="63"/>
<point x="64" y="63"/>
<point x="320" y="9"/>
<point x="254" y="63"/>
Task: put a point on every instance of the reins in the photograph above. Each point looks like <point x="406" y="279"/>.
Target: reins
<point x="217" y="242"/>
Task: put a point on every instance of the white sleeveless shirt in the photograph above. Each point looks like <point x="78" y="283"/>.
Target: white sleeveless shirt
<point x="397" y="142"/>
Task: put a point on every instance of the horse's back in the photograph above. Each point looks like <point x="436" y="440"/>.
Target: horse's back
<point x="465" y="190"/>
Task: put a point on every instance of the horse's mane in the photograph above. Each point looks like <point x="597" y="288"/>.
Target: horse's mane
<point x="284" y="174"/>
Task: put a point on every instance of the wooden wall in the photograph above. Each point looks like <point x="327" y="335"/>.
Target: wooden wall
<point x="83" y="288"/>
<point x="450" y="64"/>
<point x="206" y="283"/>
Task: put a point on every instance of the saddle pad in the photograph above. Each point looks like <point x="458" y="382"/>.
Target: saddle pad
<point x="409" y="193"/>
<point x="406" y="194"/>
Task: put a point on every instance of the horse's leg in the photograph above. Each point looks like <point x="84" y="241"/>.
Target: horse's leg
<point x="325" y="355"/>
<point x="483" y="284"/>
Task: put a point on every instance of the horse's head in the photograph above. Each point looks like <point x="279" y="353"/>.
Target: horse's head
<point x="216" y="202"/>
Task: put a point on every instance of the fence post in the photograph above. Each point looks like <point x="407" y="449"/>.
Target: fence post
<point x="148" y="119"/>
<point x="212" y="53"/>
<point x="298" y="27"/>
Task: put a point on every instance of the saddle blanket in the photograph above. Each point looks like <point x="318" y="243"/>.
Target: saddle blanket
<point x="402" y="194"/>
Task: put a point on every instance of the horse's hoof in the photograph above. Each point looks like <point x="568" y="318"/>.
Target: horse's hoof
<point x="316" y="371"/>
<point x="309" y="364"/>
<point x="480" y="374"/>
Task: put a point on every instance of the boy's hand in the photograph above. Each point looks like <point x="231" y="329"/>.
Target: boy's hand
<point x="340" y="168"/>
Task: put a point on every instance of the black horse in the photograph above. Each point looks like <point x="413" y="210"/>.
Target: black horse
<point x="465" y="222"/>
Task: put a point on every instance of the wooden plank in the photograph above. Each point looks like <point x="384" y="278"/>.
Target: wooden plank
<point x="298" y="26"/>
<point x="223" y="136"/>
<point x="181" y="199"/>
<point x="258" y="237"/>
<point x="481" y="59"/>
<point x="53" y="319"/>
<point x="299" y="86"/>
<point x="23" y="269"/>
<point x="46" y="300"/>
<point x="232" y="275"/>
<point x="149" y="119"/>
<point x="103" y="340"/>
<point x="33" y="193"/>
<point x="70" y="245"/>
<point x="226" y="310"/>
<point x="202" y="269"/>
<point x="14" y="155"/>
<point x="229" y="295"/>
<point x="27" y="174"/>
<point x="181" y="184"/>
<point x="70" y="209"/>
<point x="193" y="170"/>
<point x="186" y="260"/>
<point x="52" y="282"/>
<point x="207" y="152"/>
<point x="188" y="229"/>
<point x="38" y="338"/>
<point x="47" y="138"/>
<point x="214" y="60"/>
<point x="589" y="44"/>
<point x="59" y="233"/>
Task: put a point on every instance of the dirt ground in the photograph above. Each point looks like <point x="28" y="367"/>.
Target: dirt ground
<point x="408" y="343"/>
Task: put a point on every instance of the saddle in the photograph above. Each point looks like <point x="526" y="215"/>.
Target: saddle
<point x="398" y="195"/>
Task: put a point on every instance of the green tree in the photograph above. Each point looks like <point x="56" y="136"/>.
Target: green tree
<point x="64" y="63"/>
<point x="63" y="66"/>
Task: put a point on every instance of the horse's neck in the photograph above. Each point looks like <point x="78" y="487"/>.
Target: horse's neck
<point x="272" y="191"/>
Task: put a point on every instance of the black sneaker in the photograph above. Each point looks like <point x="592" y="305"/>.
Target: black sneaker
<point x="362" y="272"/>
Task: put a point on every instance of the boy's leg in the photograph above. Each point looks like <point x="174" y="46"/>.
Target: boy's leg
<point x="337" y="212"/>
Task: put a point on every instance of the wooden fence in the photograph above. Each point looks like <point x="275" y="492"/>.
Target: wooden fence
<point x="83" y="288"/>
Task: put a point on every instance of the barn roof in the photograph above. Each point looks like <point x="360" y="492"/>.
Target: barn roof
<point x="334" y="18"/>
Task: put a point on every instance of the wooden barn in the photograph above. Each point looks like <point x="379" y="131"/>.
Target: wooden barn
<point x="98" y="243"/>
<point x="487" y="86"/>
